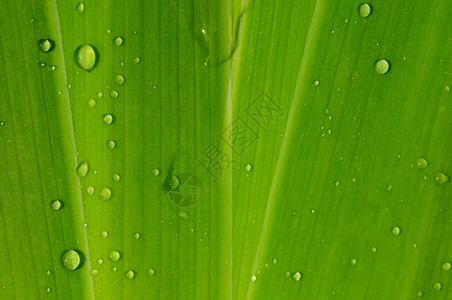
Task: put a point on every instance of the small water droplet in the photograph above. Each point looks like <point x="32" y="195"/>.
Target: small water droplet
<point x="48" y="289"/>
<point x="104" y="234"/>
<point x="42" y="64"/>
<point x="373" y="250"/>
<point x="337" y="183"/>
<point x="421" y="163"/>
<point x="136" y="60"/>
<point x="136" y="235"/>
<point x="130" y="274"/>
<point x="80" y="8"/>
<point x="441" y="178"/>
<point x="353" y="261"/>
<point x="114" y="256"/>
<point x="100" y="95"/>
<point x="287" y="274"/>
<point x="420" y="294"/>
<point x="71" y="259"/>
<point x="389" y="188"/>
<point x="274" y="261"/>
<point x="57" y="204"/>
<point x="395" y="230"/>
<point x="329" y="131"/>
<point x="32" y="20"/>
<point x="364" y="10"/>
<point x="82" y="169"/>
<point x="114" y="269"/>
<point x="156" y="172"/>
<point x="151" y="272"/>
<point x="105" y="193"/>
<point x="91" y="102"/>
<point x="437" y="286"/>
<point x="316" y="82"/>
<point x="253" y="278"/>
<point x="114" y="94"/>
<point x="48" y="273"/>
<point x="108" y="119"/>
<point x="116" y="177"/>
<point x="86" y="57"/>
<point x="447" y="88"/>
<point x="248" y="167"/>
<point x="296" y="276"/>
<point x="119" y="79"/>
<point x="94" y="272"/>
<point x="118" y="41"/>
<point x="52" y="67"/>
<point x="100" y="261"/>
<point x="108" y="31"/>
<point x="183" y="215"/>
<point x="46" y="45"/>
<point x="90" y="190"/>
<point x="446" y="266"/>
<point x="382" y="66"/>
<point x="111" y="144"/>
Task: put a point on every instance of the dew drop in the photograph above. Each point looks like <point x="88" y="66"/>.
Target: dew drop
<point x="183" y="215"/>
<point x="421" y="163"/>
<point x="373" y="250"/>
<point x="91" y="102"/>
<point x="80" y="8"/>
<point x="173" y="183"/>
<point x="108" y="119"/>
<point x="287" y="274"/>
<point x="116" y="177"/>
<point x="48" y="290"/>
<point x="105" y="193"/>
<point x="114" y="256"/>
<point x="437" y="286"/>
<point x="114" y="269"/>
<point x="86" y="57"/>
<point x="296" y="276"/>
<point x="52" y="67"/>
<point x="253" y="278"/>
<point x="337" y="183"/>
<point x="447" y="88"/>
<point x="316" y="82"/>
<point x="111" y="144"/>
<point x="446" y="266"/>
<point x="82" y="169"/>
<point x="48" y="273"/>
<point x="119" y="79"/>
<point x="329" y="131"/>
<point x="441" y="178"/>
<point x="94" y="272"/>
<point x="90" y="190"/>
<point x="46" y="45"/>
<point x="136" y="60"/>
<point x="156" y="172"/>
<point x="42" y="64"/>
<point x="136" y="235"/>
<point x="381" y="66"/>
<point x="353" y="262"/>
<point x="151" y="272"/>
<point x="395" y="230"/>
<point x="71" y="259"/>
<point x="100" y="261"/>
<point x="57" y="204"/>
<point x="364" y="10"/>
<point x="114" y="94"/>
<point x="248" y="167"/>
<point x="118" y="41"/>
<point x="104" y="234"/>
<point x="389" y="188"/>
<point x="100" y="95"/>
<point x="420" y="294"/>
<point x="274" y="261"/>
<point x="130" y="274"/>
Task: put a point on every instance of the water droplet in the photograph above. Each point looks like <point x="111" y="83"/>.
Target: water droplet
<point x="296" y="276"/>
<point x="389" y="188"/>
<point x="52" y="67"/>
<point x="316" y="82"/>
<point x="373" y="249"/>
<point x="114" y="256"/>
<point x="421" y="163"/>
<point x="136" y="235"/>
<point x="105" y="193"/>
<point x="42" y="64"/>
<point x="446" y="266"/>
<point x="82" y="169"/>
<point x="71" y="259"/>
<point x="183" y="215"/>
<point x="100" y="261"/>
<point x="136" y="60"/>
<point x="156" y="172"/>
<point x="86" y="57"/>
<point x="111" y="144"/>
<point x="90" y="190"/>
<point x="337" y="183"/>
<point x="104" y="234"/>
<point x="420" y="294"/>
<point x="130" y="274"/>
<point x="447" y="88"/>
<point x="48" y="273"/>
<point x="46" y="45"/>
<point x="116" y="177"/>
<point x="441" y="178"/>
<point x="395" y="230"/>
<point x="381" y="66"/>
<point x="91" y="102"/>
<point x="94" y="272"/>
<point x="118" y="41"/>
<point x="108" y="119"/>
<point x="32" y="20"/>
<point x="151" y="272"/>
<point x="119" y="79"/>
<point x="253" y="278"/>
<point x="173" y="183"/>
<point x="57" y="204"/>
<point x="364" y="10"/>
<point x="114" y="94"/>
<point x="329" y="131"/>
<point x="48" y="290"/>
<point x="287" y="274"/>
<point x="100" y="95"/>
<point x="114" y="269"/>
<point x="80" y="8"/>
<point x="437" y="286"/>
<point x="248" y="167"/>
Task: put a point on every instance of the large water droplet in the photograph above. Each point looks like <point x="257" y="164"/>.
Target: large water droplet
<point x="118" y="41"/>
<point x="382" y="66"/>
<point x="114" y="256"/>
<point x="71" y="259"/>
<point x="80" y="8"/>
<point x="119" y="79"/>
<point x="108" y="119"/>
<point x="136" y="60"/>
<point x="437" y="286"/>
<point x="441" y="178"/>
<point x="364" y="10"/>
<point x="136" y="235"/>
<point x="105" y="193"/>
<point x="173" y="183"/>
<point x="156" y="172"/>
<point x="395" y="230"/>
<point x="82" y="169"/>
<point x="86" y="57"/>
<point x="114" y="94"/>
<point x="130" y="274"/>
<point x="183" y="215"/>
<point x="57" y="204"/>
<point x="421" y="163"/>
<point x="46" y="45"/>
